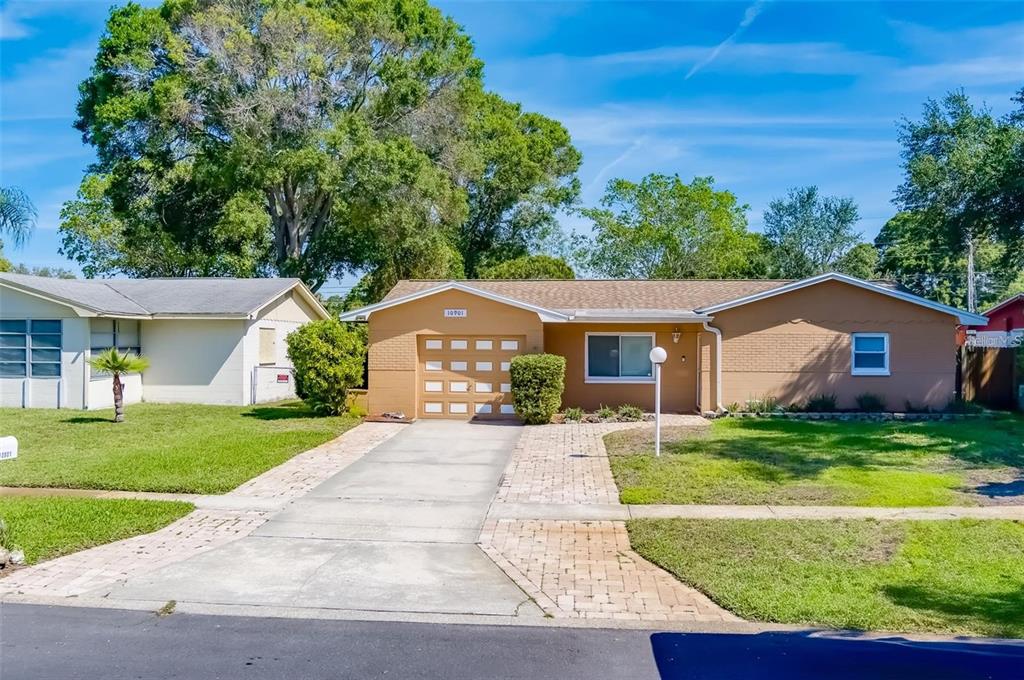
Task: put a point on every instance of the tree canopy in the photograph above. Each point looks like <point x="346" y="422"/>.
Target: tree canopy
<point x="662" y="227"/>
<point x="305" y="137"/>
<point x="811" y="234"/>
<point x="530" y="267"/>
<point x="910" y="254"/>
<point x="963" y="188"/>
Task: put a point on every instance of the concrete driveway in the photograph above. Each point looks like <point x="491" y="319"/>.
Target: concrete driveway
<point x="395" y="531"/>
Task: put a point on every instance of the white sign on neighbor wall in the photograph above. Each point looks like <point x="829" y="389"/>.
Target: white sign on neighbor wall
<point x="455" y="314"/>
<point x="8" y="448"/>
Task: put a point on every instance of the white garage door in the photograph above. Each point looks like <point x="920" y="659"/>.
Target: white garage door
<point x="466" y="376"/>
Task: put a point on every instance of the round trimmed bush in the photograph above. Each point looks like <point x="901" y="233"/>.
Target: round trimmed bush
<point x="537" y="384"/>
<point x="328" y="360"/>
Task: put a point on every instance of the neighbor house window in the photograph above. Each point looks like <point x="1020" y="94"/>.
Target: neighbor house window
<point x="30" y="348"/>
<point x="870" y="354"/>
<point x="124" y="334"/>
<point x="619" y="357"/>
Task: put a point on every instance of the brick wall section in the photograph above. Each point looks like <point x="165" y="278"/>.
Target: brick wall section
<point x="798" y="345"/>
<point x="393" y="362"/>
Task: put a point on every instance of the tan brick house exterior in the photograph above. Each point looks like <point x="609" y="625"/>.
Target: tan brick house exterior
<point x="441" y="348"/>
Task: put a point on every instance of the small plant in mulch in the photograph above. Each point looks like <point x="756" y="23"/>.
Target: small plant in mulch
<point x="870" y="402"/>
<point x="573" y="414"/>
<point x="630" y="414"/>
<point x="821" y="403"/>
<point x="605" y="413"/>
<point x="763" y="404"/>
<point x="963" y="406"/>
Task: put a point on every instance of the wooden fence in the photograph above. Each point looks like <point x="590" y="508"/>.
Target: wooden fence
<point x="993" y="376"/>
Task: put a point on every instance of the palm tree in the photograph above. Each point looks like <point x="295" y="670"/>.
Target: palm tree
<point x="17" y="215"/>
<point x="114" y="363"/>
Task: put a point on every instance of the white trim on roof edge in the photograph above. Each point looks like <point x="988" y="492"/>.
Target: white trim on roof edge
<point x="962" y="316"/>
<point x="79" y="309"/>
<point x="306" y="294"/>
<point x="1004" y="303"/>
<point x="90" y="311"/>
<point x="363" y="313"/>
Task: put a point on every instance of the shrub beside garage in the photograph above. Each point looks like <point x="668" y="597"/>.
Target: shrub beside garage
<point x="328" y="360"/>
<point x="538" y="381"/>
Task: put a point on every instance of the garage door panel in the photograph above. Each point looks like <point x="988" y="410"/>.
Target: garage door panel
<point x="466" y="376"/>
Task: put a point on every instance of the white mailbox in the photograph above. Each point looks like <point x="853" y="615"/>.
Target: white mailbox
<point x="8" y="448"/>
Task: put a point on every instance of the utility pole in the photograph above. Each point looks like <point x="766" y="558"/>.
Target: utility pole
<point x="972" y="305"/>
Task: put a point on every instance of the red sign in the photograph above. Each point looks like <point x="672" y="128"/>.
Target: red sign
<point x="282" y="377"/>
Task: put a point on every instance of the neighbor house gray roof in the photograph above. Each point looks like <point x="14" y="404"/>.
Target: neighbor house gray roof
<point x="203" y="297"/>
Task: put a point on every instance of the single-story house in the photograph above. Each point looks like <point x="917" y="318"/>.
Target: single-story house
<point x="209" y="340"/>
<point x="441" y="349"/>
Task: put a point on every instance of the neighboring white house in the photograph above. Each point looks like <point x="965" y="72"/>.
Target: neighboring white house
<point x="209" y="340"/>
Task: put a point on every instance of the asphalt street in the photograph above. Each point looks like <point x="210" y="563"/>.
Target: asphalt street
<point x="41" y="642"/>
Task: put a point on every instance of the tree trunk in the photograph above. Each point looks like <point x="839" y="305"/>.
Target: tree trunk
<point x="118" y="400"/>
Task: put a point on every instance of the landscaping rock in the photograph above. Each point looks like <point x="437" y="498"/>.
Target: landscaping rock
<point x="5" y="557"/>
<point x="17" y="557"/>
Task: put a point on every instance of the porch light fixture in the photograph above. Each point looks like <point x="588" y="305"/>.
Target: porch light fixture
<point x="657" y="357"/>
<point x="675" y="335"/>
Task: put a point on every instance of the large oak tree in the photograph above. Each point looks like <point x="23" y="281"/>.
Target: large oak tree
<point x="305" y="137"/>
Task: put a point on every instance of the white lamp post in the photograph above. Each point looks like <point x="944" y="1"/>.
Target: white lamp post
<point x="657" y="357"/>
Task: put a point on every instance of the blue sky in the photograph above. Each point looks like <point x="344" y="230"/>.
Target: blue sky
<point x="761" y="95"/>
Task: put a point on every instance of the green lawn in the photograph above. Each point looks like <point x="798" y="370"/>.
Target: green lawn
<point x="47" y="527"/>
<point x="160" y="447"/>
<point x="960" y="577"/>
<point x="821" y="463"/>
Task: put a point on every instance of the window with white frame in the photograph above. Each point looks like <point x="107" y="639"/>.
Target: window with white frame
<point x="30" y="348"/>
<point x="870" y="354"/>
<point x="124" y="334"/>
<point x="619" y="357"/>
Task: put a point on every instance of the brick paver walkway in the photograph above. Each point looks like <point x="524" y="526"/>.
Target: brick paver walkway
<point x="581" y="569"/>
<point x="201" y="530"/>
<point x="588" y="570"/>
<point x="568" y="463"/>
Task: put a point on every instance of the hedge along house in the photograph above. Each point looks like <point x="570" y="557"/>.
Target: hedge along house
<point x="210" y="341"/>
<point x="442" y="348"/>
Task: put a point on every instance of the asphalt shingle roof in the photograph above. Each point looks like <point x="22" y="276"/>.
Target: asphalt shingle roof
<point x="154" y="297"/>
<point x="627" y="294"/>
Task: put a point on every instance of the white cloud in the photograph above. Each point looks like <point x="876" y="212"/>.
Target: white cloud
<point x="611" y="123"/>
<point x="12" y="26"/>
<point x="972" y="71"/>
<point x="978" y="56"/>
<point x="816" y="58"/>
<point x="605" y="171"/>
<point x="749" y="16"/>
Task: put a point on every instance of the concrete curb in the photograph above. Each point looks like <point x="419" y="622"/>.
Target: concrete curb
<point x="740" y="627"/>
